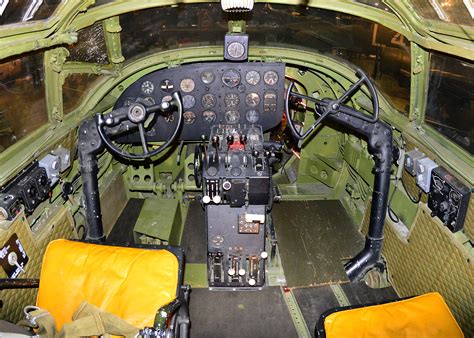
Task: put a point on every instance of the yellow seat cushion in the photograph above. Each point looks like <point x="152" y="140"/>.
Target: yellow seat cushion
<point x="131" y="283"/>
<point x="423" y="316"/>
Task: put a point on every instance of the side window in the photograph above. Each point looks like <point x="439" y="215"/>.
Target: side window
<point x="22" y="96"/>
<point x="450" y="105"/>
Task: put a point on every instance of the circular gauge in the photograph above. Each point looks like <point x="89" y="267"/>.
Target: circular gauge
<point x="166" y="85"/>
<point x="252" y="77"/>
<point x="188" y="101"/>
<point x="252" y="99"/>
<point x="208" y="100"/>
<point x="232" y="116"/>
<point x="187" y="85"/>
<point x="147" y="87"/>
<point x="231" y="78"/>
<point x="167" y="98"/>
<point x="235" y="50"/>
<point x="270" y="101"/>
<point x="189" y="117"/>
<point x="252" y="116"/>
<point x="231" y="100"/>
<point x="208" y="116"/>
<point x="270" y="77"/>
<point x="207" y="77"/>
<point x="150" y="100"/>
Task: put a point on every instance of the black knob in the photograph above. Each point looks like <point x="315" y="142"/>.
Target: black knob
<point x="31" y="191"/>
<point x="230" y="139"/>
<point x="255" y="153"/>
<point x="243" y="138"/>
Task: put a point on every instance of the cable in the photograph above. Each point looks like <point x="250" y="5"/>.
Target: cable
<point x="416" y="201"/>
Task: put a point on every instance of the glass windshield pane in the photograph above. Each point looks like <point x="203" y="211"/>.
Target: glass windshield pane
<point x="382" y="53"/>
<point x="26" y="10"/>
<point x="376" y="3"/>
<point x="454" y="11"/>
<point x="157" y="29"/>
<point x="450" y="108"/>
<point x="75" y="88"/>
<point x="22" y="96"/>
<point x="90" y="45"/>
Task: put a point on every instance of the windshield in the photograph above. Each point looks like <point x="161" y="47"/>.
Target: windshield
<point x="26" y="10"/>
<point x="454" y="11"/>
<point x="451" y="99"/>
<point x="382" y="53"/>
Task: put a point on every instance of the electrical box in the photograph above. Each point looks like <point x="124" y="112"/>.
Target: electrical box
<point x="448" y="199"/>
<point x="411" y="161"/>
<point x="424" y="168"/>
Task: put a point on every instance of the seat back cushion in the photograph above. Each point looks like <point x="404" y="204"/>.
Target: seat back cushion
<point x="131" y="283"/>
<point x="417" y="317"/>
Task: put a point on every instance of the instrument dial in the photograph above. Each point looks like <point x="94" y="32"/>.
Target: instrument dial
<point x="208" y="116"/>
<point x="189" y="117"/>
<point x="252" y="116"/>
<point x="231" y="100"/>
<point x="236" y="50"/>
<point x="208" y="100"/>
<point x="166" y="85"/>
<point x="150" y="100"/>
<point x="270" y="101"/>
<point x="207" y="77"/>
<point x="231" y="78"/>
<point x="147" y="87"/>
<point x="187" y="85"/>
<point x="270" y="77"/>
<point x="252" y="99"/>
<point x="252" y="77"/>
<point x="232" y="116"/>
<point x="167" y="98"/>
<point x="188" y="101"/>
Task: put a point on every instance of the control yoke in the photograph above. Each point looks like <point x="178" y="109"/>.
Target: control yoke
<point x="379" y="137"/>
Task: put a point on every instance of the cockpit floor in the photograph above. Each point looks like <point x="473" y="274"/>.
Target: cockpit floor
<point x="314" y="237"/>
<point x="240" y="314"/>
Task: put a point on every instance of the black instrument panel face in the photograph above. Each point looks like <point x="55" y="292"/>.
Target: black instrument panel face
<point x="212" y="93"/>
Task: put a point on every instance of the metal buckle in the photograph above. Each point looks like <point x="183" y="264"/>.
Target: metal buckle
<point x="32" y="319"/>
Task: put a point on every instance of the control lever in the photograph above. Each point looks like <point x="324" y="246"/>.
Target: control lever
<point x="230" y="140"/>
<point x="13" y="261"/>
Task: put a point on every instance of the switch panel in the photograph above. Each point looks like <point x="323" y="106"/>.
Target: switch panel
<point x="448" y="199"/>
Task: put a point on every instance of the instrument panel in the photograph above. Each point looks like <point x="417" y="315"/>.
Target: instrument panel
<point x="212" y="93"/>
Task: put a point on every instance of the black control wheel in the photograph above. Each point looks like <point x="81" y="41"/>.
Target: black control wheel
<point x="327" y="106"/>
<point x="198" y="158"/>
<point x="135" y="116"/>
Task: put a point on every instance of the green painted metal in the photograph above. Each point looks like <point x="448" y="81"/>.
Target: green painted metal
<point x="54" y="59"/>
<point x="340" y="295"/>
<point x="158" y="219"/>
<point x="195" y="275"/>
<point x="295" y="313"/>
<point x="419" y="83"/>
<point x="112" y="31"/>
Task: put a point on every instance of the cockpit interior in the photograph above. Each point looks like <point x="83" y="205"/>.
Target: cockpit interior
<point x="237" y="169"/>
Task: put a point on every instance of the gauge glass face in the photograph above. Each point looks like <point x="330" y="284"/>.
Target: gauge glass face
<point x="270" y="101"/>
<point x="236" y="50"/>
<point x="208" y="100"/>
<point x="252" y="99"/>
<point x="150" y="100"/>
<point x="231" y="78"/>
<point x="252" y="116"/>
<point x="166" y="85"/>
<point x="270" y="78"/>
<point x="187" y="85"/>
<point x="208" y="116"/>
<point x="147" y="87"/>
<point x="167" y="98"/>
<point x="188" y="101"/>
<point x="232" y="116"/>
<point x="231" y="100"/>
<point x="207" y="77"/>
<point x="252" y="77"/>
<point x="189" y="117"/>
